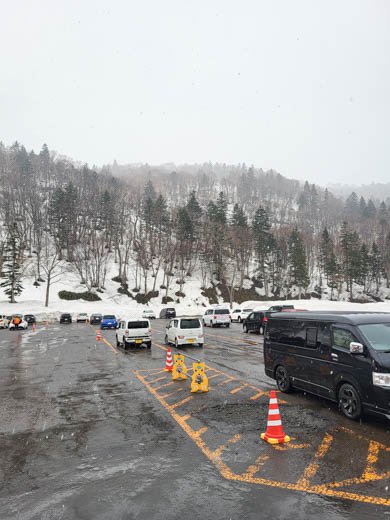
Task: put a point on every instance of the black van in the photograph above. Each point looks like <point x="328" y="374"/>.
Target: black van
<point x="168" y="313"/>
<point x="344" y="357"/>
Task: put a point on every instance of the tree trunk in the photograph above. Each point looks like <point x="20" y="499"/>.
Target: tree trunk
<point x="47" y="291"/>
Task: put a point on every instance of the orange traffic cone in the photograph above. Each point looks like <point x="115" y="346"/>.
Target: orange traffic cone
<point x="34" y="326"/>
<point x="169" y="361"/>
<point x="274" y="433"/>
<point x="98" y="335"/>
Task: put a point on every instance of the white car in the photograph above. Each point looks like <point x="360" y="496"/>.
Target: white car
<point x="184" y="331"/>
<point x="217" y="317"/>
<point x="149" y="314"/>
<point x="18" y="322"/>
<point x="82" y="317"/>
<point x="240" y="315"/>
<point x="4" y="322"/>
<point x="133" y="332"/>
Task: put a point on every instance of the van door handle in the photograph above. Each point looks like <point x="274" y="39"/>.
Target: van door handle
<point x="335" y="356"/>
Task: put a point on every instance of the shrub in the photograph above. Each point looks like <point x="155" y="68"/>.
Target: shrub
<point x="87" y="296"/>
<point x="117" y="279"/>
<point x="166" y="299"/>
<point x="179" y="293"/>
<point x="145" y="298"/>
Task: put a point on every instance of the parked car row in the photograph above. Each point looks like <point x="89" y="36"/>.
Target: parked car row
<point x="17" y="321"/>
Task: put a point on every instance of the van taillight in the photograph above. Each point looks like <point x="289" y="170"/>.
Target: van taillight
<point x="215" y="317"/>
<point x="265" y="319"/>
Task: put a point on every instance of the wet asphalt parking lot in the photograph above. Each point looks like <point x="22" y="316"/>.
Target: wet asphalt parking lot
<point x="88" y="431"/>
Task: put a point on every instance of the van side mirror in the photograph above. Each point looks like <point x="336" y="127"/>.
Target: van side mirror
<point x="356" y="348"/>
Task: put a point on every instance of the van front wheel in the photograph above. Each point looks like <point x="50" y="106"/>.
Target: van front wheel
<point x="283" y="379"/>
<point x="349" y="402"/>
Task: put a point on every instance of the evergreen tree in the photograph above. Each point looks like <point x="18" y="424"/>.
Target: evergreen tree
<point x="11" y="269"/>
<point x="297" y="261"/>
<point x="351" y="257"/>
<point x="363" y="267"/>
<point x="149" y="198"/>
<point x="370" y="210"/>
<point x="376" y="265"/>
<point x="184" y="225"/>
<point x="238" y="219"/>
<point x="352" y="206"/>
<point x="362" y="207"/>
<point x="262" y="239"/>
<point x="193" y="207"/>
<point x="221" y="208"/>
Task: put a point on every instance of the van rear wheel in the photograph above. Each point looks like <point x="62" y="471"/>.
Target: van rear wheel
<point x="283" y="379"/>
<point x="349" y="402"/>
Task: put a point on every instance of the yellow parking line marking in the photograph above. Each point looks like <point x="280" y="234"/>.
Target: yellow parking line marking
<point x="312" y="468"/>
<point x="180" y="403"/>
<point x="256" y="467"/>
<point x="369" y="474"/>
<point x="155" y="370"/>
<point x="109" y="345"/>
<point x="235" y="390"/>
<point x="166" y="384"/>
<point x="218" y="451"/>
<point x="213" y="376"/>
<point x="178" y="390"/>
<point x="226" y="381"/>
<point x="258" y="395"/>
<point x="158" y="379"/>
<point x="200" y="432"/>
<point x="227" y="473"/>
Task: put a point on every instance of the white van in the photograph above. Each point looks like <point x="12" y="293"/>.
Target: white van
<point x="182" y="331"/>
<point x="133" y="332"/>
<point x="217" y="316"/>
<point x="4" y="321"/>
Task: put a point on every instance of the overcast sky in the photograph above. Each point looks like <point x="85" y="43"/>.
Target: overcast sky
<point x="299" y="86"/>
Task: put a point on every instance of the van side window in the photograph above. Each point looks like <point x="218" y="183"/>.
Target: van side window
<point x="300" y="334"/>
<point x="311" y="337"/>
<point x="342" y="338"/>
<point x="323" y="335"/>
<point x="175" y="323"/>
<point x="286" y="332"/>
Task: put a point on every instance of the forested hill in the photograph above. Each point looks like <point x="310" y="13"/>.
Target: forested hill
<point x="244" y="233"/>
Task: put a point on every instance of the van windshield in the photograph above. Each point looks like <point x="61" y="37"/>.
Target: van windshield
<point x="378" y="335"/>
<point x="221" y="311"/>
<point x="190" y="324"/>
<point x="137" y="325"/>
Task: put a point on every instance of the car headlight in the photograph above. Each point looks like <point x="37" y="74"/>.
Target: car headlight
<point x="380" y="379"/>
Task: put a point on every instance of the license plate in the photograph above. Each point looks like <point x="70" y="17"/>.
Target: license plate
<point x="191" y="340"/>
<point x="138" y="341"/>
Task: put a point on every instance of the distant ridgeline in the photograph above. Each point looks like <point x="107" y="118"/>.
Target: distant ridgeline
<point x="243" y="233"/>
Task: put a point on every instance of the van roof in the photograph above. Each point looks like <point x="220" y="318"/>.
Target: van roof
<point x="134" y="318"/>
<point x="347" y="317"/>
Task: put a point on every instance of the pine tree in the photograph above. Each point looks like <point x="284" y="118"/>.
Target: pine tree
<point x="184" y="225"/>
<point x="238" y="219"/>
<point x="363" y="268"/>
<point x="221" y="208"/>
<point x="11" y="269"/>
<point x="262" y="238"/>
<point x="149" y="198"/>
<point x="193" y="207"/>
<point x="351" y="257"/>
<point x="297" y="261"/>
<point x="376" y="265"/>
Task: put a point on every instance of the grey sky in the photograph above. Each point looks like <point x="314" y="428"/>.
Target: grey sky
<point x="299" y="86"/>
